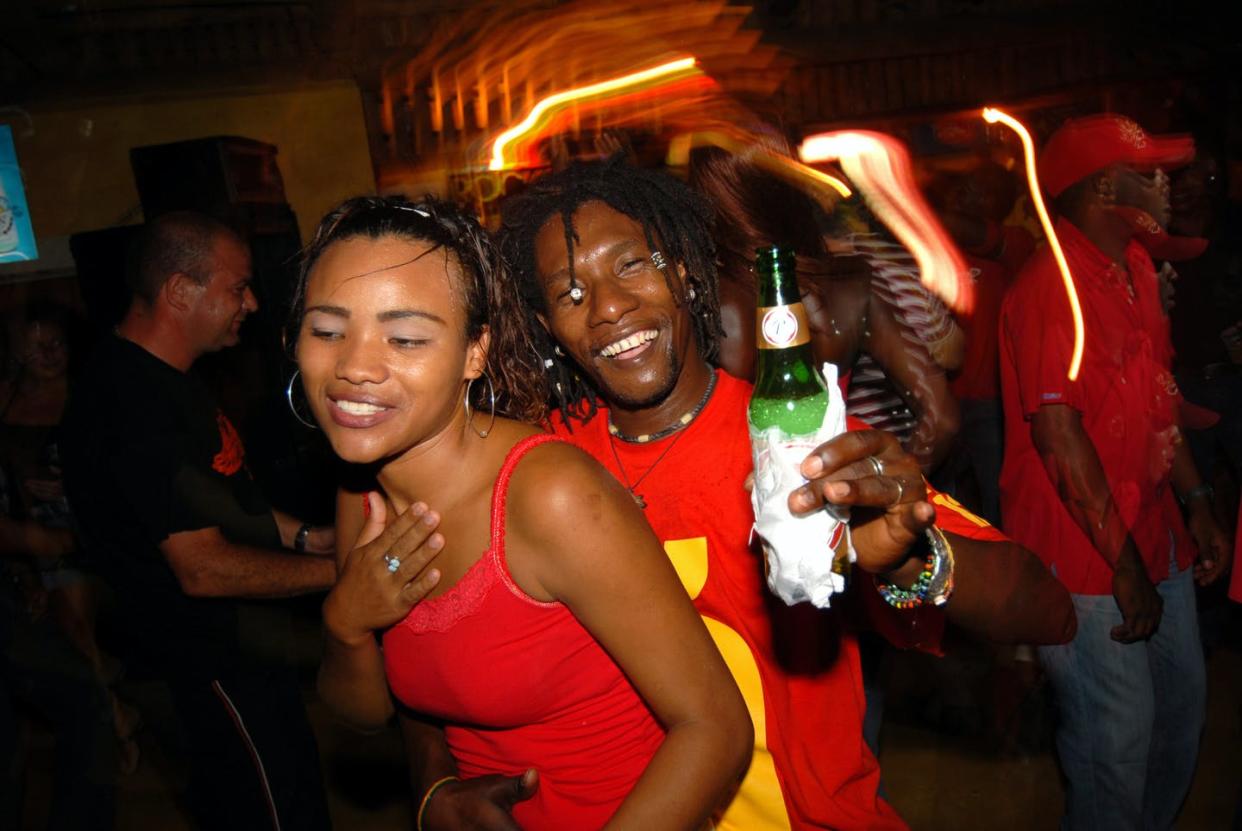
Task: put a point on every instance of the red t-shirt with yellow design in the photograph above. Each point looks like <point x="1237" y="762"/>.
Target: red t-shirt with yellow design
<point x="797" y="667"/>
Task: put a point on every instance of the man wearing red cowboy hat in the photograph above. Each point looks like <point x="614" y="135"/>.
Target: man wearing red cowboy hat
<point x="1093" y="472"/>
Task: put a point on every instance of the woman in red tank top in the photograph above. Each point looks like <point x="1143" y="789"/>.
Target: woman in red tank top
<point x="555" y="635"/>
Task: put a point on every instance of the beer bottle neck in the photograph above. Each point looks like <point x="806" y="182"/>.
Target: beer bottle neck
<point x="777" y="281"/>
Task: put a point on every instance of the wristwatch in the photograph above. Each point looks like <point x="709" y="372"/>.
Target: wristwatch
<point x="1201" y="490"/>
<point x="299" y="539"/>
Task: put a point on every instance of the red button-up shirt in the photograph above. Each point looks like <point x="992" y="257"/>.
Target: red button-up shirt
<point x="1125" y="393"/>
<point x="978" y="378"/>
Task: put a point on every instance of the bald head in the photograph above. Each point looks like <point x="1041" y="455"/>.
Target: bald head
<point x="181" y="242"/>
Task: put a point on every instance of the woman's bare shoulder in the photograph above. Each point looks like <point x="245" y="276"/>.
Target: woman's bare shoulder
<point x="557" y="475"/>
<point x="571" y="522"/>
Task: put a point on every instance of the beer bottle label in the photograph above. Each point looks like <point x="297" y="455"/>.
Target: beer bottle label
<point x="781" y="327"/>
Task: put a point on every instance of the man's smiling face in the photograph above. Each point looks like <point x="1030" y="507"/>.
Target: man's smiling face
<point x="618" y="319"/>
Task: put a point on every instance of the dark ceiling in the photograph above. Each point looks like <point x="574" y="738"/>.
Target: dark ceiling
<point x="842" y="59"/>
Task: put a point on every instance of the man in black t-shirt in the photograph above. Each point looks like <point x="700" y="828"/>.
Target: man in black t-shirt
<point x="157" y="478"/>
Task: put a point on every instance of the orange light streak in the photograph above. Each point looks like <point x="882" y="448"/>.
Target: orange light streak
<point x="880" y="167"/>
<point x="819" y="176"/>
<point x="781" y="165"/>
<point x="992" y="115"/>
<point x="543" y="111"/>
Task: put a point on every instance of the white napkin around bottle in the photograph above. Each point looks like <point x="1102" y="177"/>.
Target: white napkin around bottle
<point x="799" y="549"/>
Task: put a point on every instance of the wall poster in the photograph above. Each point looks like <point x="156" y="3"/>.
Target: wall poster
<point x="17" y="240"/>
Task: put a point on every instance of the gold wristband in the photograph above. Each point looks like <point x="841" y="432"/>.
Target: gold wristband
<point x="435" y="786"/>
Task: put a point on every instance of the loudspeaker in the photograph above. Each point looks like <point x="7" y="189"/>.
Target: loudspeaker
<point x="234" y="179"/>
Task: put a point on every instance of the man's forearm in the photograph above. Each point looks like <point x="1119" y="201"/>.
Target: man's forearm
<point x="1003" y="592"/>
<point x="211" y="566"/>
<point x="1185" y="475"/>
<point x="919" y="381"/>
<point x="427" y="752"/>
<point x="259" y="573"/>
<point x="1074" y="467"/>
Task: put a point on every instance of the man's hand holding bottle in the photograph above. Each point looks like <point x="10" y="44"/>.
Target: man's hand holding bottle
<point x="869" y="471"/>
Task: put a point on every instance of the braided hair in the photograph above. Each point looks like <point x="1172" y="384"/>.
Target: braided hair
<point x="674" y="219"/>
<point x="487" y="293"/>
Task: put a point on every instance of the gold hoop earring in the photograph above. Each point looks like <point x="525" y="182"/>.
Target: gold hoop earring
<point x="289" y="397"/>
<point x="491" y="394"/>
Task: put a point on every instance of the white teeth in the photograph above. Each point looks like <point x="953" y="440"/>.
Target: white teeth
<point x="634" y="340"/>
<point x="359" y="408"/>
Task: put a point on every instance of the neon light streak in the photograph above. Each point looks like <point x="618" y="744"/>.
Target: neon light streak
<point x="559" y="100"/>
<point x="680" y="147"/>
<point x="992" y="115"/>
<point x="880" y="167"/>
<point x="823" y="178"/>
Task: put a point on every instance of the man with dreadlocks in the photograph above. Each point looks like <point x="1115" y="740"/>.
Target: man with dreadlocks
<point x="618" y="271"/>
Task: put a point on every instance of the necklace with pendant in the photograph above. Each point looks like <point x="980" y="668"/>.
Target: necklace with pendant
<point x="625" y="479"/>
<point x="681" y="424"/>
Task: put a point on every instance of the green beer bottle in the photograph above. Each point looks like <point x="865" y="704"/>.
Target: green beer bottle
<point x="790" y="394"/>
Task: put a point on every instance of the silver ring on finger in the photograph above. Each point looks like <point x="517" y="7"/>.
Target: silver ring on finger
<point x="901" y="491"/>
<point x="393" y="563"/>
<point x="876" y="465"/>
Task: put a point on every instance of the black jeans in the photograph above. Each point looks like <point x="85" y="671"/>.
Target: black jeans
<point x="253" y="759"/>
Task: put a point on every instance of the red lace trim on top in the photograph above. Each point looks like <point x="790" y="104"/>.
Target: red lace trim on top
<point x="439" y="614"/>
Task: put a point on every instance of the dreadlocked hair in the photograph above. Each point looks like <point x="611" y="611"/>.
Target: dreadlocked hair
<point x="675" y="221"/>
<point x="485" y="286"/>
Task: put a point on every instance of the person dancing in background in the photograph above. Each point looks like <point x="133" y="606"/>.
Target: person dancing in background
<point x="156" y="475"/>
<point x="555" y="634"/>
<point x="972" y="207"/>
<point x="754" y="207"/>
<point x="43" y="671"/>
<point x="1093" y="471"/>
<point x="30" y="414"/>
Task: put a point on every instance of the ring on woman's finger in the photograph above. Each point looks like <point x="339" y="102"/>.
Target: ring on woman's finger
<point x="901" y="491"/>
<point x="393" y="562"/>
<point x="876" y="465"/>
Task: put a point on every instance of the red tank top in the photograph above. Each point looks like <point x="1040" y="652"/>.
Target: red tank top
<point x="522" y="684"/>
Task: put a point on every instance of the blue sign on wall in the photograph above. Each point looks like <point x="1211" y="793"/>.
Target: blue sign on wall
<point x="17" y="240"/>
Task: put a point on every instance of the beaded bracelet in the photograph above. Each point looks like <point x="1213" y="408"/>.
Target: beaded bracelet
<point x="435" y="786"/>
<point x="935" y="582"/>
